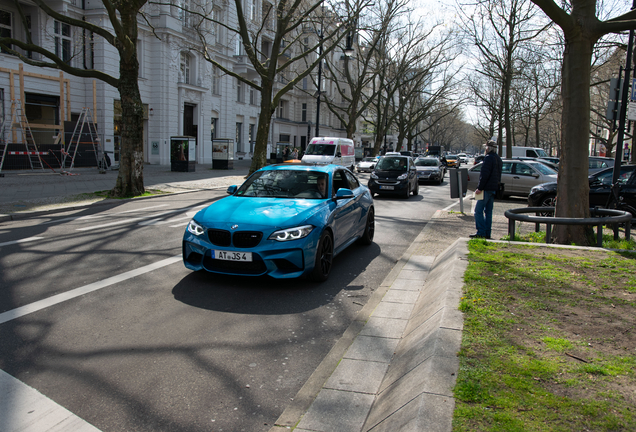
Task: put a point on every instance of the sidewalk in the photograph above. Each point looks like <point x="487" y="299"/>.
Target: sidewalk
<point x="395" y="367"/>
<point x="25" y="190"/>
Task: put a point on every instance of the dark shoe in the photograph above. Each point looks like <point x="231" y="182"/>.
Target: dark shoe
<point x="476" y="235"/>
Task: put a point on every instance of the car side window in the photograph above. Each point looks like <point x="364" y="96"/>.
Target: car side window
<point x="339" y="181"/>
<point x="353" y="181"/>
<point x="506" y="168"/>
<point x="522" y="169"/>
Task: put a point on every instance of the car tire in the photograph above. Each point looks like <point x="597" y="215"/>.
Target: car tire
<point x="407" y="194"/>
<point x="324" y="258"/>
<point x="369" y="228"/>
<point x="416" y="191"/>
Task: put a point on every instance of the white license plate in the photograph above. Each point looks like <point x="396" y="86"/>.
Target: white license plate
<point x="231" y="256"/>
<point x="386" y="187"/>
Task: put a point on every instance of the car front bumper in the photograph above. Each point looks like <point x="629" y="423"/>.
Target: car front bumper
<point x="388" y="186"/>
<point x="281" y="260"/>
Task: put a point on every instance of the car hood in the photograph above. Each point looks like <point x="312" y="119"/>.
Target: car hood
<point x="250" y="212"/>
<point x="388" y="174"/>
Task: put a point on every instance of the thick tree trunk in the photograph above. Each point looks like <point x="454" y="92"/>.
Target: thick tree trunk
<point x="573" y="187"/>
<point x="259" y="159"/>
<point x="130" y="180"/>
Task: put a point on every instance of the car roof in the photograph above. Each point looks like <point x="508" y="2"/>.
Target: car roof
<point x="301" y="167"/>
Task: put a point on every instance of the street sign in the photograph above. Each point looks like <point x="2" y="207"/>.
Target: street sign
<point x="633" y="97"/>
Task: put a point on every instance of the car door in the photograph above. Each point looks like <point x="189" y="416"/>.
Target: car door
<point x="506" y="177"/>
<point x="601" y="185"/>
<point x="344" y="214"/>
<point x="524" y="178"/>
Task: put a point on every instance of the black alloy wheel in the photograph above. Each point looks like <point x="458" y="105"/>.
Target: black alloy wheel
<point x="324" y="258"/>
<point x="369" y="228"/>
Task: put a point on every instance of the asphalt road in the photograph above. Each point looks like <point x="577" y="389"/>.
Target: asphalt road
<point x="110" y="324"/>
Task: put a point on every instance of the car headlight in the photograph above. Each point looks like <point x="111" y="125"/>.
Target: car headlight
<point x="374" y="176"/>
<point x="291" y="233"/>
<point x="403" y="176"/>
<point x="195" y="228"/>
<point x="537" y="188"/>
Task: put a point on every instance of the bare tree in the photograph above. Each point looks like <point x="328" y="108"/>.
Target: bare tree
<point x="582" y="29"/>
<point x="278" y="48"/>
<point x="123" y="17"/>
<point x="353" y="77"/>
<point x="499" y="30"/>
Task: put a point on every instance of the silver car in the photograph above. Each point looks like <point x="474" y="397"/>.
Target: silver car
<point x="429" y="169"/>
<point x="367" y="164"/>
<point x="517" y="176"/>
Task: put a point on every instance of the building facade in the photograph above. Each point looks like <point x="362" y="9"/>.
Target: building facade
<point x="183" y="94"/>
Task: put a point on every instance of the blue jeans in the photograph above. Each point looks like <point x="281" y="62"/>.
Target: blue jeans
<point x="483" y="214"/>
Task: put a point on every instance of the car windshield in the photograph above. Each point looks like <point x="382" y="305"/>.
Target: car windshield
<point x="285" y="184"/>
<point x="453" y="157"/>
<point x="392" y="164"/>
<point x="426" y="162"/>
<point x="543" y="169"/>
<point x="320" y="149"/>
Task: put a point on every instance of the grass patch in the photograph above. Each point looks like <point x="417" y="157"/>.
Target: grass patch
<point x="608" y="239"/>
<point x="549" y="340"/>
<point x="106" y="194"/>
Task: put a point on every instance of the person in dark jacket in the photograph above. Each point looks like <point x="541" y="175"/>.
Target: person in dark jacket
<point x="489" y="179"/>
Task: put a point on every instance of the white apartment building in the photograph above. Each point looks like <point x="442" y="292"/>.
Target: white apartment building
<point x="182" y="93"/>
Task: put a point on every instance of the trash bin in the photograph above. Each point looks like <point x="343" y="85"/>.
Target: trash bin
<point x="183" y="153"/>
<point x="457" y="176"/>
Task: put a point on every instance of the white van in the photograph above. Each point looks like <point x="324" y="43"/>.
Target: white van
<point x="534" y="152"/>
<point x="326" y="150"/>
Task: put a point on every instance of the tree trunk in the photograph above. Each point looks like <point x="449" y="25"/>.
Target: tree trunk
<point x="259" y="159"/>
<point x="573" y="187"/>
<point x="130" y="180"/>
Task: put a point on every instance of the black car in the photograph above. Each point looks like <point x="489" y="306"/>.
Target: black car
<point x="544" y="195"/>
<point x="394" y="175"/>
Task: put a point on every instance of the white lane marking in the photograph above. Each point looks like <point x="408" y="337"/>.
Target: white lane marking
<point x="163" y="222"/>
<point x="23" y="408"/>
<point x="450" y="206"/>
<point x="179" y="225"/>
<point x="102" y="215"/>
<point x="125" y="221"/>
<point x="69" y="295"/>
<point x="191" y="211"/>
<point x="24" y="240"/>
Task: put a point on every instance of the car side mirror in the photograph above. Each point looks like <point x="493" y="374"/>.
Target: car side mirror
<point x="535" y="175"/>
<point x="344" y="193"/>
<point x="338" y="154"/>
<point x="232" y="189"/>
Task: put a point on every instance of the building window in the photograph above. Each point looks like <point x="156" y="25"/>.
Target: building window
<point x="213" y="128"/>
<point x="252" y="96"/>
<point x="281" y="109"/>
<point x="5" y="26"/>
<point x="251" y="9"/>
<point x="185" y="68"/>
<point x="62" y="41"/>
<point x="303" y="113"/>
<point x="239" y="136"/>
<point x="239" y="91"/>
<point x="215" y="81"/>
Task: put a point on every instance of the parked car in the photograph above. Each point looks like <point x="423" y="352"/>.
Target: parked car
<point x="394" y="175"/>
<point x="598" y="163"/>
<point x="452" y="161"/>
<point x="429" y="169"/>
<point x="284" y="221"/>
<point x="367" y="164"/>
<point x="463" y="157"/>
<point x="544" y="195"/>
<point x="517" y="176"/>
<point x="542" y="160"/>
<point x="479" y="159"/>
<point x="554" y="160"/>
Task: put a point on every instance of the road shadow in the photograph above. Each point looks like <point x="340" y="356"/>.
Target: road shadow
<point x="269" y="296"/>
